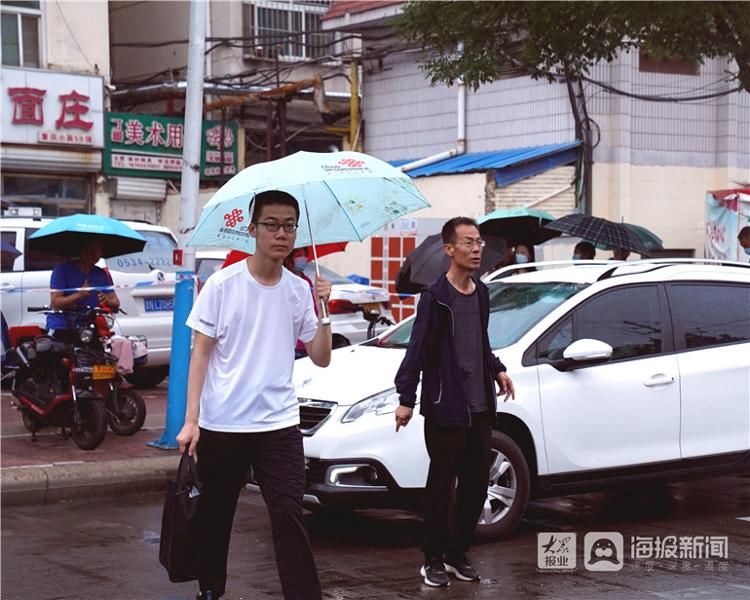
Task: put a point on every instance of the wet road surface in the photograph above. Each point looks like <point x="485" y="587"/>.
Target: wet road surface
<point x="108" y="549"/>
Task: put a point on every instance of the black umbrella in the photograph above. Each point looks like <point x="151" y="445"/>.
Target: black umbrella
<point x="518" y="225"/>
<point x="428" y="260"/>
<point x="599" y="231"/>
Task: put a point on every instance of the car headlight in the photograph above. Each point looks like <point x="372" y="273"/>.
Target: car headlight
<point x="86" y="335"/>
<point x="379" y="404"/>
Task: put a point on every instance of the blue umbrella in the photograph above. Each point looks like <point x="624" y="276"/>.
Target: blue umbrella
<point x="343" y="197"/>
<point x="68" y="235"/>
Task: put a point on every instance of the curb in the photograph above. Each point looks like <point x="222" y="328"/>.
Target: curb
<point x="44" y="484"/>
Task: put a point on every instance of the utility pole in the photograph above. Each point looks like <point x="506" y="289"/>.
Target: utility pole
<point x="179" y="361"/>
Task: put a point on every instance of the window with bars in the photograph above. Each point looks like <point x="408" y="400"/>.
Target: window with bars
<point x="290" y="28"/>
<point x="20" y="33"/>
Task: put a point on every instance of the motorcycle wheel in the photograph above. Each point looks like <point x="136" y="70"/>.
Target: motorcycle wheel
<point x="29" y="421"/>
<point x="127" y="412"/>
<point x="90" y="432"/>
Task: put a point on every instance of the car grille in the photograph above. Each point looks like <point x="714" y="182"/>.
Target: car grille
<point x="312" y="414"/>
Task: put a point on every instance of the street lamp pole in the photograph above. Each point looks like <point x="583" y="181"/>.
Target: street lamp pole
<point x="179" y="361"/>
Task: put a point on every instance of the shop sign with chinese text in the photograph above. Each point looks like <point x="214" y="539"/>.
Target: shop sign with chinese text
<point x="52" y="109"/>
<point x="148" y="146"/>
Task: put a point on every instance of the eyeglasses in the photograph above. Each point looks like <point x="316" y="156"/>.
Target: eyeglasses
<point x="469" y="243"/>
<point x="273" y="227"/>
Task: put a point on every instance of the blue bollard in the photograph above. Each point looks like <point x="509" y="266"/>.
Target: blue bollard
<point x="179" y="362"/>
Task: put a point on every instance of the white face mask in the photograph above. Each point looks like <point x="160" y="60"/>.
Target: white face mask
<point x="300" y="262"/>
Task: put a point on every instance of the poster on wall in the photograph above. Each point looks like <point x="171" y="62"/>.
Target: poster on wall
<point x="151" y="146"/>
<point x="727" y="211"/>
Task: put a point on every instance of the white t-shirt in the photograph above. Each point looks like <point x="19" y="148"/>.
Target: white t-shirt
<point x="248" y="385"/>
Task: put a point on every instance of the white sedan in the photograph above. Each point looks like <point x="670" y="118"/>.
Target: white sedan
<point x="614" y="367"/>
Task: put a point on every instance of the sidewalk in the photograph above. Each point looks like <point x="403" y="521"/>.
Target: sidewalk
<point x="52" y="469"/>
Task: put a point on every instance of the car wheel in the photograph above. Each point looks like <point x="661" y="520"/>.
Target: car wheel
<point x="508" y="489"/>
<point x="339" y="341"/>
<point x="148" y="378"/>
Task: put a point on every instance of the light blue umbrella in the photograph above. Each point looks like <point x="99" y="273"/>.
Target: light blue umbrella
<point x="67" y="235"/>
<point x="343" y="197"/>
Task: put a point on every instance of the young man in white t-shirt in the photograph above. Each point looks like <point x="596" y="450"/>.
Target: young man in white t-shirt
<point x="242" y="410"/>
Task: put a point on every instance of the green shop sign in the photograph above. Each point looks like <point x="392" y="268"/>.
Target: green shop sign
<point x="148" y="146"/>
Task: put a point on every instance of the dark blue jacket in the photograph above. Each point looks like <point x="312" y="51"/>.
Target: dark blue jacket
<point x="431" y="352"/>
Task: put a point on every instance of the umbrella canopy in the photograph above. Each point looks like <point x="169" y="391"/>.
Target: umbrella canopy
<point x="68" y="235"/>
<point x="648" y="237"/>
<point x="599" y="231"/>
<point x="343" y="196"/>
<point x="428" y="260"/>
<point x="518" y="225"/>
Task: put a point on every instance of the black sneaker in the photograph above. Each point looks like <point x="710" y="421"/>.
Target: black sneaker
<point x="460" y="567"/>
<point x="433" y="571"/>
<point x="206" y="595"/>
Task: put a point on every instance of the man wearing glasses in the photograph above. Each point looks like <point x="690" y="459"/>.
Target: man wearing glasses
<point x="242" y="410"/>
<point x="450" y="348"/>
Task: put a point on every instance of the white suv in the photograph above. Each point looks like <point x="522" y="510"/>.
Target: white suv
<point x="623" y="372"/>
<point x="147" y="308"/>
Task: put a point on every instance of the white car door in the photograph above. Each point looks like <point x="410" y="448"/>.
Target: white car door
<point x="11" y="277"/>
<point x="712" y="332"/>
<point x="622" y="413"/>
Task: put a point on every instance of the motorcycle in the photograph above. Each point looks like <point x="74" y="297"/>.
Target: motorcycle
<point x="53" y="387"/>
<point x="126" y="407"/>
<point x="94" y="373"/>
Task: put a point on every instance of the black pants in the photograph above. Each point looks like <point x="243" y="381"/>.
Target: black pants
<point x="278" y="463"/>
<point x="452" y="511"/>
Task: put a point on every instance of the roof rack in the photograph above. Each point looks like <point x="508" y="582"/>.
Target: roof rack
<point x="547" y="263"/>
<point x="661" y="263"/>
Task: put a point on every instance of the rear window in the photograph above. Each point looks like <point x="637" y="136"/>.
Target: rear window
<point x="156" y="254"/>
<point x="34" y="260"/>
<point x="710" y="314"/>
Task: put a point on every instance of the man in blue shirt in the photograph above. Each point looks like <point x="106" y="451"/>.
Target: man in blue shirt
<point x="80" y="272"/>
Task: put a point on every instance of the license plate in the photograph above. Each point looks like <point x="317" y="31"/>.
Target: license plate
<point x="372" y="307"/>
<point x="158" y="304"/>
<point x="103" y="372"/>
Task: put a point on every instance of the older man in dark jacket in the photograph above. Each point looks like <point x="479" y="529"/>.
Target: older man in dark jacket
<point x="450" y="348"/>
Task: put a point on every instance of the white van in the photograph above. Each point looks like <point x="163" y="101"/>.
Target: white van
<point x="146" y="308"/>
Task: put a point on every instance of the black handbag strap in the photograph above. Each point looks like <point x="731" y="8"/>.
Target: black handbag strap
<point x="187" y="471"/>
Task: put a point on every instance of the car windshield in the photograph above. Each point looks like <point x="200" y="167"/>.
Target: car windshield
<point x="514" y="309"/>
<point x="332" y="276"/>
<point x="156" y="254"/>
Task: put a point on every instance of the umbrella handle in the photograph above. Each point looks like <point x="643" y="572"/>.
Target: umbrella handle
<point x="325" y="319"/>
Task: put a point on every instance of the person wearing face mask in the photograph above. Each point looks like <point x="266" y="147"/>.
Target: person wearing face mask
<point x="517" y="255"/>
<point x="296" y="261"/>
<point x="521" y="256"/>
<point x="744" y="239"/>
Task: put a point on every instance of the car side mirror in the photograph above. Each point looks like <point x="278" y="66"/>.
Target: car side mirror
<point x="588" y="351"/>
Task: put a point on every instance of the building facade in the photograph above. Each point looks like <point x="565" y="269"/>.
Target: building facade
<point x="655" y="157"/>
<point x="55" y="66"/>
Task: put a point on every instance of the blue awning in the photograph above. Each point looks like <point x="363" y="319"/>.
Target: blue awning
<point x="511" y="165"/>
